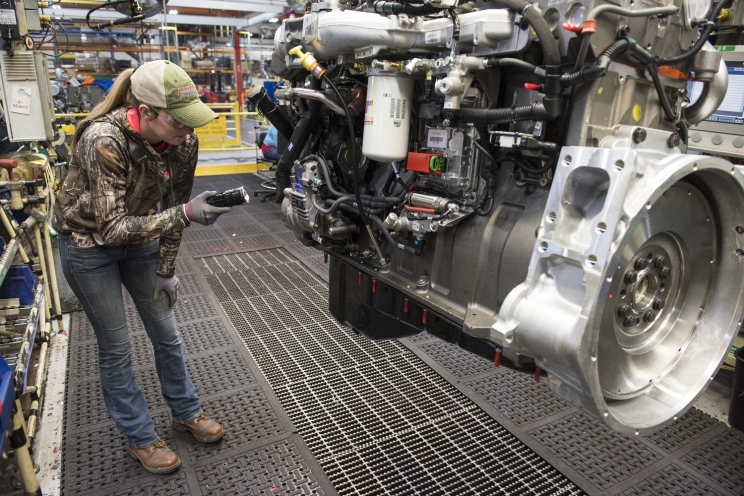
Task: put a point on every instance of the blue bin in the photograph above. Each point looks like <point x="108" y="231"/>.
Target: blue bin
<point x="19" y="283"/>
<point x="270" y="87"/>
<point x="7" y="398"/>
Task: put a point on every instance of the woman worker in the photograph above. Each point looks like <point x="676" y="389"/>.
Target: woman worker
<point x="120" y="214"/>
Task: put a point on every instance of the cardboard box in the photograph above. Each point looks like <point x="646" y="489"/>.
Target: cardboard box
<point x="87" y="65"/>
<point x="186" y="61"/>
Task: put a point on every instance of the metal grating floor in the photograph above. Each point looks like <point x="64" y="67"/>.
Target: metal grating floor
<point x="313" y="408"/>
<point x="376" y="417"/>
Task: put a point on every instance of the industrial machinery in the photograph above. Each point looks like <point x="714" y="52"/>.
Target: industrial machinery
<point x="512" y="176"/>
<point x="27" y="126"/>
<point x="83" y="98"/>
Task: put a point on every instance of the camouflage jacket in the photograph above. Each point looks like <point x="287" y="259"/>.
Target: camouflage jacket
<point x="115" y="182"/>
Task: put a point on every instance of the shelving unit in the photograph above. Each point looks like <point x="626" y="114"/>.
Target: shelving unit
<point x="167" y="41"/>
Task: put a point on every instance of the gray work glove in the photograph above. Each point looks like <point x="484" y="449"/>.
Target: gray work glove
<point x="201" y="212"/>
<point x="170" y="286"/>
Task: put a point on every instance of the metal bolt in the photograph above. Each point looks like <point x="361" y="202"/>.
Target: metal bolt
<point x="664" y="272"/>
<point x="674" y="140"/>
<point x="641" y="263"/>
<point x="740" y="229"/>
<point x="446" y="122"/>
<point x="624" y="311"/>
<point x="631" y="277"/>
<point x="649" y="316"/>
<point x="659" y="261"/>
<point x="639" y="135"/>
<point x="422" y="281"/>
<point x="628" y="322"/>
<point x="659" y="304"/>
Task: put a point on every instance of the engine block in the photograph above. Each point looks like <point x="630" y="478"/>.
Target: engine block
<point x="512" y="177"/>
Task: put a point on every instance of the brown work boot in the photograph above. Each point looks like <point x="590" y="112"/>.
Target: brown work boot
<point x="157" y="458"/>
<point x="204" y="429"/>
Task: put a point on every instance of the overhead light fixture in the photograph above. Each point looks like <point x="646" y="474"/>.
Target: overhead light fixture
<point x="259" y="18"/>
<point x="274" y="19"/>
<point x="172" y="12"/>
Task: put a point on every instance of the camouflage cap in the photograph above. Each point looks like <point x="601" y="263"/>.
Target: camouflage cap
<point x="164" y="85"/>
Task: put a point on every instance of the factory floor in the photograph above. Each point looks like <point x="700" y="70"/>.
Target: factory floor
<point x="311" y="407"/>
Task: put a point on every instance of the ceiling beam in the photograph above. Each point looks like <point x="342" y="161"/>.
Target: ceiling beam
<point x="66" y="13"/>
<point x="253" y="6"/>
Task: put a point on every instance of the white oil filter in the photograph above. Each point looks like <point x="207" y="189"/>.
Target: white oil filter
<point x="387" y="118"/>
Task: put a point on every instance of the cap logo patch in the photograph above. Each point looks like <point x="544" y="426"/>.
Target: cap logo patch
<point x="187" y="92"/>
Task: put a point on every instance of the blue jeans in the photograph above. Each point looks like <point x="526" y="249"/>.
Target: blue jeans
<point x="96" y="275"/>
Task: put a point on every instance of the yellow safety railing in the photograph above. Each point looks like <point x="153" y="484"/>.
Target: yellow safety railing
<point x="222" y="134"/>
<point x="216" y="135"/>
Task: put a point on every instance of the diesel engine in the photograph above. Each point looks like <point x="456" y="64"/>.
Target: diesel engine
<point x="513" y="177"/>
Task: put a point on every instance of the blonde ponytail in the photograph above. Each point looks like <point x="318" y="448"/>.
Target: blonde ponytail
<point x="119" y="95"/>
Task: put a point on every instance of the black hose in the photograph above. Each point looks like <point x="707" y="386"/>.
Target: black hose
<point x="355" y="210"/>
<point x="534" y="112"/>
<point x="599" y="69"/>
<point x="668" y="111"/>
<point x="300" y="135"/>
<point x="614" y="9"/>
<point x="388" y="182"/>
<point x="550" y="107"/>
<point x="491" y="203"/>
<point x="539" y="24"/>
<point x="397" y="8"/>
<point x="397" y="243"/>
<point x="258" y="96"/>
<point x="326" y="173"/>
<point x="353" y="158"/>
<point x="683" y="57"/>
<point x="513" y="63"/>
<point x="488" y="154"/>
<point x="333" y="206"/>
<point x="388" y="200"/>
<point x="530" y="170"/>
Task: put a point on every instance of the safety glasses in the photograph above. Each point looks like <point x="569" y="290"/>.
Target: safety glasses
<point x="167" y="118"/>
